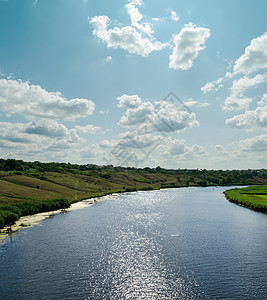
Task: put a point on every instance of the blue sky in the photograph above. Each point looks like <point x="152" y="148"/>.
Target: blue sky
<point x="87" y="82"/>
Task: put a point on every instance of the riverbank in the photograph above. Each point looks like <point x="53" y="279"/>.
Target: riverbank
<point x="38" y="187"/>
<point x="253" y="197"/>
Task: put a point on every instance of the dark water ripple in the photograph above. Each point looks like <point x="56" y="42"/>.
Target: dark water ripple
<point x="168" y="244"/>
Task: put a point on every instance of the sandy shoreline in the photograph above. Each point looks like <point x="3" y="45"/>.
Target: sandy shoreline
<point x="31" y="220"/>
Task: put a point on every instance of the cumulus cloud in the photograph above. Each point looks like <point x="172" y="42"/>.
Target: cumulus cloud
<point x="161" y="116"/>
<point x="51" y="129"/>
<point x="187" y="45"/>
<point x="212" y="86"/>
<point x="129" y="101"/>
<point x="11" y="134"/>
<point x="170" y="117"/>
<point x="263" y="100"/>
<point x="107" y="143"/>
<point x="34" y="102"/>
<point x="179" y="149"/>
<point x="254" y="59"/>
<point x="126" y="38"/>
<point x="33" y="138"/>
<point x="134" y="139"/>
<point x="134" y="116"/>
<point x="250" y="120"/>
<point x="138" y="37"/>
<point x="70" y="141"/>
<point x="88" y="129"/>
<point x="255" y="56"/>
<point x="219" y="148"/>
<point x="255" y="144"/>
<point x="236" y="100"/>
<point x="44" y="137"/>
<point x="241" y="85"/>
<point x="136" y="16"/>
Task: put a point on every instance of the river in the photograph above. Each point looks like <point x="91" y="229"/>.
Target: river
<point x="187" y="243"/>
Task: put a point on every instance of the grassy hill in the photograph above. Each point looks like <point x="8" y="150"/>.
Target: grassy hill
<point x="28" y="188"/>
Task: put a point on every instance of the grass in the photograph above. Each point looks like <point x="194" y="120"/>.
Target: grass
<point x="253" y="197"/>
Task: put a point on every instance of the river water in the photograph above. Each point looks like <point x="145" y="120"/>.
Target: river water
<point x="187" y="243"/>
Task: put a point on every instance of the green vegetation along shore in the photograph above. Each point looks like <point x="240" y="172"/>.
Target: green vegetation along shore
<point x="253" y="197"/>
<point x="31" y="187"/>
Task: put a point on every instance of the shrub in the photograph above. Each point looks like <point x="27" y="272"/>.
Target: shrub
<point x="9" y="217"/>
<point x="2" y="222"/>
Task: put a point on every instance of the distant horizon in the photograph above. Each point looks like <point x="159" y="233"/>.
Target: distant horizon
<point x="176" y="84"/>
<point x="125" y="167"/>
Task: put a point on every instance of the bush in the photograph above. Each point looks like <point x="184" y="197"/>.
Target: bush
<point x="9" y="217"/>
<point x="130" y="189"/>
<point x="9" y="214"/>
<point x="147" y="188"/>
<point x="2" y="222"/>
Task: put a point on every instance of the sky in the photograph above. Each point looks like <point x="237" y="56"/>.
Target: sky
<point x="175" y="83"/>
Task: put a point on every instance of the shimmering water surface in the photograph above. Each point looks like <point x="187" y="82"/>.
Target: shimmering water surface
<point x="187" y="243"/>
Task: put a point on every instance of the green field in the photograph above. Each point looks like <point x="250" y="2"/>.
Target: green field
<point x="28" y="188"/>
<point x="253" y="197"/>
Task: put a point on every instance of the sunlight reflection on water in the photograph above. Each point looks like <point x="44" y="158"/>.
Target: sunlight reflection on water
<point x="168" y="244"/>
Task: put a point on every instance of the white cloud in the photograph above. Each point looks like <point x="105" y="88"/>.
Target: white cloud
<point x="187" y="45"/>
<point x="104" y="112"/>
<point x="72" y="141"/>
<point x="220" y="149"/>
<point x="263" y="100"/>
<point x="174" y="16"/>
<point x="12" y="134"/>
<point x="255" y="144"/>
<point x="126" y="38"/>
<point x="107" y="143"/>
<point x="136" y="16"/>
<point x="236" y="100"/>
<point x="108" y="58"/>
<point x="129" y="101"/>
<point x="118" y="152"/>
<point x="88" y="129"/>
<point x="203" y="104"/>
<point x="134" y="139"/>
<point x="163" y="116"/>
<point x="170" y="118"/>
<point x="241" y="85"/>
<point x="34" y="102"/>
<point x="44" y="137"/>
<point x="254" y="58"/>
<point x="33" y="138"/>
<point x="179" y="150"/>
<point x="192" y="102"/>
<point x="135" y="116"/>
<point x="212" y="86"/>
<point x="48" y="128"/>
<point x="250" y="120"/>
